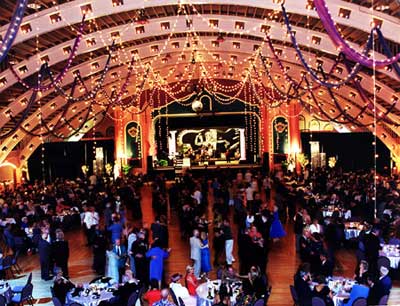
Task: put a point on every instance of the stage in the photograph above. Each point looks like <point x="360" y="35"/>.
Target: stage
<point x="171" y="172"/>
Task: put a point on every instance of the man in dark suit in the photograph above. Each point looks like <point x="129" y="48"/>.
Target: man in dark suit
<point x="380" y="287"/>
<point x="305" y="246"/>
<point x="372" y="246"/>
<point x="60" y="252"/>
<point x="130" y="286"/>
<point x="44" y="248"/>
<point x="120" y="251"/>
<point x="326" y="266"/>
<point x="302" y="286"/>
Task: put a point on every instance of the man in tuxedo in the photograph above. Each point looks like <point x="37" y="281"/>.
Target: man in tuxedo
<point x="60" y="252"/>
<point x="372" y="246"/>
<point x="120" y="251"/>
<point x="305" y="245"/>
<point x="298" y="227"/>
<point x="302" y="286"/>
<point x="44" y="248"/>
<point x="326" y="266"/>
<point x="380" y="287"/>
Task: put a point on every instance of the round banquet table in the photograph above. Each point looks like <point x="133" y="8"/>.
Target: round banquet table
<point x="5" y="290"/>
<point x="88" y="298"/>
<point x="392" y="253"/>
<point x="202" y="292"/>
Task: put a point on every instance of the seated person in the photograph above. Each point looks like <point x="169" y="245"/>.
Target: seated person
<point x="322" y="291"/>
<point x="191" y="280"/>
<point x="362" y="273"/>
<point x="255" y="283"/>
<point x="380" y="287"/>
<point x="164" y="299"/>
<point x="302" y="281"/>
<point x="154" y="294"/>
<point x="326" y="266"/>
<point x="177" y="288"/>
<point x="61" y="286"/>
<point x="124" y="291"/>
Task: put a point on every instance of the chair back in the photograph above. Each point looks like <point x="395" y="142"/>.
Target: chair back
<point x="3" y="300"/>
<point x="384" y="300"/>
<point x="317" y="301"/>
<point x="75" y="304"/>
<point x="56" y="301"/>
<point x="174" y="299"/>
<point x="383" y="261"/>
<point x="132" y="299"/>
<point x="7" y="262"/>
<point x="29" y="280"/>
<point x="358" y="291"/>
<point x="181" y="302"/>
<point x="293" y="292"/>
<point x="360" y="302"/>
<point x="26" y="292"/>
<point x="259" y="302"/>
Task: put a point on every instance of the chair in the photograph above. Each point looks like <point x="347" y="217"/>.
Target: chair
<point x="259" y="302"/>
<point x="6" y="265"/>
<point x="56" y="301"/>
<point x="316" y="301"/>
<point x="384" y="300"/>
<point x="3" y="300"/>
<point x="24" y="296"/>
<point x="15" y="264"/>
<point x="294" y="295"/>
<point x="358" y="291"/>
<point x="181" y="302"/>
<point x="174" y="299"/>
<point x="132" y="299"/>
<point x="75" y="304"/>
<point x="360" y="302"/>
<point x="18" y="289"/>
<point x="383" y="261"/>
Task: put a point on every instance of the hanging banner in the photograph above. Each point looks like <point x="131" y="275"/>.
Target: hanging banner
<point x="133" y="141"/>
<point x="280" y="135"/>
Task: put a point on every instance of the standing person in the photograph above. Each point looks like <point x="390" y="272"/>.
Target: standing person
<point x="191" y="281"/>
<point x="205" y="254"/>
<point x="60" y="252"/>
<point x="139" y="250"/>
<point x="90" y="219"/>
<point x="228" y="237"/>
<point x="99" y="251"/>
<point x="298" y="228"/>
<point x="44" y="248"/>
<point x="157" y="256"/>
<point x="131" y="239"/>
<point x="120" y="250"/>
<point x="195" y="252"/>
<point x="277" y="230"/>
<point x="218" y="242"/>
<point x="115" y="229"/>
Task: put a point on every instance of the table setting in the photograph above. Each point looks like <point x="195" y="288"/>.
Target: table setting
<point x="92" y="294"/>
<point x="352" y="230"/>
<point x="392" y="252"/>
<point x="207" y="291"/>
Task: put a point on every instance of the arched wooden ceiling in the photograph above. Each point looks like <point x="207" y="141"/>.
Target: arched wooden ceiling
<point x="47" y="40"/>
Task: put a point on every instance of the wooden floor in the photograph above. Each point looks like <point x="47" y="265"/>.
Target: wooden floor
<point x="283" y="261"/>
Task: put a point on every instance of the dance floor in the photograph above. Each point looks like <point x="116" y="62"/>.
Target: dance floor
<point x="281" y="266"/>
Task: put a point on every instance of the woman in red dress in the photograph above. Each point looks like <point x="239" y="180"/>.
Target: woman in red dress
<point x="191" y="280"/>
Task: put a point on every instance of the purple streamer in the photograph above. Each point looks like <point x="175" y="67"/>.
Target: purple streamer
<point x="12" y="30"/>
<point x="343" y="46"/>
<point x="62" y="74"/>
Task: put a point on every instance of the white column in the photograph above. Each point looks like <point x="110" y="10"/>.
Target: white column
<point x="242" y="145"/>
<point x="172" y="143"/>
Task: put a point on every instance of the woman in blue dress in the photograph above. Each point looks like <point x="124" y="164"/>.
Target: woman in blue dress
<point x="157" y="256"/>
<point x="205" y="254"/>
<point x="276" y="230"/>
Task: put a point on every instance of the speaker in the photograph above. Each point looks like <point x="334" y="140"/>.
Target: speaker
<point x="265" y="163"/>
<point x="150" y="165"/>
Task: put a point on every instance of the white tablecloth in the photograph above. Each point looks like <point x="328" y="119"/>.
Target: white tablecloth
<point x="350" y="233"/>
<point x="341" y="292"/>
<point x="89" y="299"/>
<point x="392" y="253"/>
<point x="203" y="292"/>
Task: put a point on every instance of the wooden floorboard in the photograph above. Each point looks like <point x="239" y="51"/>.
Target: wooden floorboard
<point x="283" y="260"/>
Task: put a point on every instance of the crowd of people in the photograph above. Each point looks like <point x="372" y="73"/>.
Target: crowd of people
<point x="214" y="212"/>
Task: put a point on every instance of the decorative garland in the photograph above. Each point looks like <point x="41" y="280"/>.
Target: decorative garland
<point x="12" y="30"/>
<point x="63" y="72"/>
